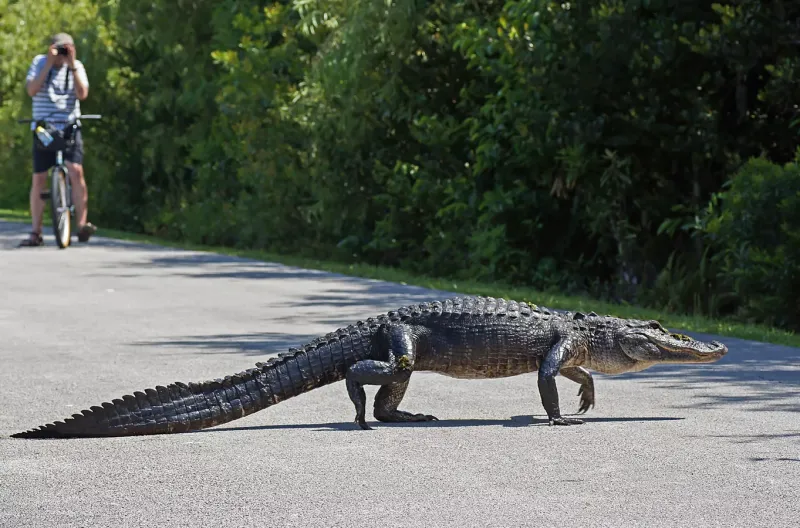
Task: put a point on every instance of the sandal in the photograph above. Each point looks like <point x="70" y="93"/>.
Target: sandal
<point x="35" y="239"/>
<point x="86" y="231"/>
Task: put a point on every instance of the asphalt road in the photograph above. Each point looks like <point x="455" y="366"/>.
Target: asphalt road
<point x="710" y="445"/>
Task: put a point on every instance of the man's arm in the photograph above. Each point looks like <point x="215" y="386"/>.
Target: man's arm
<point x="35" y="80"/>
<point x="81" y="81"/>
<point x="79" y="72"/>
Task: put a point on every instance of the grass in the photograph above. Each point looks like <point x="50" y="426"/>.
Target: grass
<point x="14" y="215"/>
<point x="722" y="327"/>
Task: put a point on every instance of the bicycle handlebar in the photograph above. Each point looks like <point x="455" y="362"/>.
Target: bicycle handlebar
<point x="87" y="116"/>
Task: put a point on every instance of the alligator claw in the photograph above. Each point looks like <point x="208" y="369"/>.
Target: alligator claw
<point x="361" y="420"/>
<point x="363" y="424"/>
<point x="587" y="398"/>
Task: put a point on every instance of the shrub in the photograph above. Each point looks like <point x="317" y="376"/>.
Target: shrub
<point x="757" y="231"/>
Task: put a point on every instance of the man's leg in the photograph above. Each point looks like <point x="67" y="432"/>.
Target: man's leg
<point x="80" y="194"/>
<point x="42" y="161"/>
<point x="73" y="158"/>
<point x="38" y="185"/>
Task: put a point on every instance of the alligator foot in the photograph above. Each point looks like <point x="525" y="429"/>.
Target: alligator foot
<point x="362" y="421"/>
<point x="393" y="383"/>
<point x="359" y="398"/>
<point x="565" y="421"/>
<point x="402" y="416"/>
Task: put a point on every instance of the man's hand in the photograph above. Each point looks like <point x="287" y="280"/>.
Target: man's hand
<point x="52" y="55"/>
<point x="71" y="53"/>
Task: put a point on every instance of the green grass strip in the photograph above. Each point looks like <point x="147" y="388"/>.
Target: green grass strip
<point x="722" y="327"/>
<point x="14" y="215"/>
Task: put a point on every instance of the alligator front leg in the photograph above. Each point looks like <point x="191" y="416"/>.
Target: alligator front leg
<point x="548" y="391"/>
<point x="583" y="377"/>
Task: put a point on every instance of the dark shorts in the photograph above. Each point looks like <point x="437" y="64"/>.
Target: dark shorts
<point x="42" y="161"/>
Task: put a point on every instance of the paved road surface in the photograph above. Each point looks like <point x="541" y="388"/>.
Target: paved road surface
<point x="715" y="445"/>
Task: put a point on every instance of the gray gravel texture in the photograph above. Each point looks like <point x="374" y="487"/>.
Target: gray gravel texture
<point x="707" y="445"/>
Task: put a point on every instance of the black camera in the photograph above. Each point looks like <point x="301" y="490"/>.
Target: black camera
<point x="62" y="50"/>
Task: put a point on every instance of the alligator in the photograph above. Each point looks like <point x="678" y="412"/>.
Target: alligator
<point x="462" y="337"/>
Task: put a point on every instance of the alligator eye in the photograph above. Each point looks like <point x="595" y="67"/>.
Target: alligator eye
<point x="655" y="325"/>
<point x="681" y="337"/>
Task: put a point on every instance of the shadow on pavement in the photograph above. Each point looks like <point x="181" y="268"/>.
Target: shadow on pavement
<point x="251" y="344"/>
<point x="514" y="421"/>
<point x="212" y="265"/>
<point x="757" y="438"/>
<point x="771" y="373"/>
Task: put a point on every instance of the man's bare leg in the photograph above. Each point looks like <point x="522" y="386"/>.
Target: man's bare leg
<point x="38" y="185"/>
<point x="80" y="194"/>
<point x="80" y="197"/>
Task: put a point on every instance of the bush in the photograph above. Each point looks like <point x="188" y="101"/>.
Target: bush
<point x="757" y="231"/>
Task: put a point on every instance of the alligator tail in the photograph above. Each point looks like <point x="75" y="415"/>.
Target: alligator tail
<point x="181" y="407"/>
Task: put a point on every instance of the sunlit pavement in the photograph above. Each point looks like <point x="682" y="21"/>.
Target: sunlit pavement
<point x="705" y="445"/>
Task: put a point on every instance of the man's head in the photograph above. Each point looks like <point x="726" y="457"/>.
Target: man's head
<point x="61" y="42"/>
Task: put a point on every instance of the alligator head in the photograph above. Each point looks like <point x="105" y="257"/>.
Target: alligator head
<point x="649" y="343"/>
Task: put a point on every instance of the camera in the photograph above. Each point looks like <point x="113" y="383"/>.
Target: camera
<point x="62" y="50"/>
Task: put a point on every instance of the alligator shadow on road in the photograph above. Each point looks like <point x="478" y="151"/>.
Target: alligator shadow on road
<point x="514" y="421"/>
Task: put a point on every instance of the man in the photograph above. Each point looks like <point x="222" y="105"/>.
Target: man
<point x="57" y="83"/>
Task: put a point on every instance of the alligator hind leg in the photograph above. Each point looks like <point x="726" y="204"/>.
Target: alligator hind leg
<point x="392" y="375"/>
<point x="371" y="372"/>
<point x="387" y="400"/>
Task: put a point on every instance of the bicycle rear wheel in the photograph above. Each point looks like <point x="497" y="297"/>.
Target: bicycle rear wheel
<point x="59" y="207"/>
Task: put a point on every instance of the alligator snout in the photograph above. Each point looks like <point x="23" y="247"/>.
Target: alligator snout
<point x="720" y="348"/>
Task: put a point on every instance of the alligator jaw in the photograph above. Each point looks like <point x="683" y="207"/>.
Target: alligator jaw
<point x="678" y="348"/>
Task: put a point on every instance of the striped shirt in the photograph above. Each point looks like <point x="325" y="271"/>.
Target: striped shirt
<point x="56" y="98"/>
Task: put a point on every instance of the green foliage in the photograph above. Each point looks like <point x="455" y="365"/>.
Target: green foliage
<point x="757" y="228"/>
<point x="25" y="28"/>
<point x="572" y="147"/>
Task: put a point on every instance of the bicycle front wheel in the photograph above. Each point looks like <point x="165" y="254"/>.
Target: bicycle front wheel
<point x="59" y="207"/>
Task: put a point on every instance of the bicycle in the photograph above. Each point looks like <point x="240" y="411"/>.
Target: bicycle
<point x="51" y="139"/>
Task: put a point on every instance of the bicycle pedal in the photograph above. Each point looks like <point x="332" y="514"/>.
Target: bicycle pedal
<point x="45" y="195"/>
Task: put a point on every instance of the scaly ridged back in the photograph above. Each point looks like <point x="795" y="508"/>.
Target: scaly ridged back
<point x="470" y="306"/>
